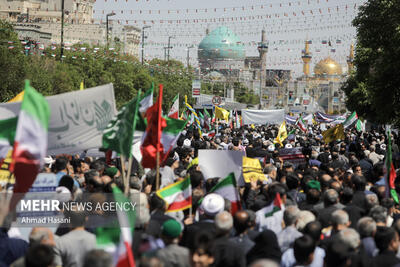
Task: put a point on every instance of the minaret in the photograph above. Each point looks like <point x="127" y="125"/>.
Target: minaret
<point x="263" y="49"/>
<point x="306" y="57"/>
<point x="350" y="60"/>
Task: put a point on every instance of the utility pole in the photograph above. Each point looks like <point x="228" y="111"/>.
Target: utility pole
<point x="62" y="30"/>
<point x="187" y="58"/>
<point x="169" y="46"/>
<point x="108" y="15"/>
<point x="143" y="38"/>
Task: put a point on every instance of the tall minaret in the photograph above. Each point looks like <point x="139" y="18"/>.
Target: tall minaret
<point x="263" y="49"/>
<point x="306" y="57"/>
<point x="350" y="60"/>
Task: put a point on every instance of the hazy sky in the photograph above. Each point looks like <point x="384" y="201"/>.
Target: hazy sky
<point x="288" y="25"/>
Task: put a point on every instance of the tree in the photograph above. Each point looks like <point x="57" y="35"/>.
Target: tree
<point x="373" y="90"/>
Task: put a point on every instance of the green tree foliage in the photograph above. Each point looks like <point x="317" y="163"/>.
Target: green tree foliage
<point x="373" y="90"/>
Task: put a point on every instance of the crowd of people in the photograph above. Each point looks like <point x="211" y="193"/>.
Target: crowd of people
<point x="335" y="207"/>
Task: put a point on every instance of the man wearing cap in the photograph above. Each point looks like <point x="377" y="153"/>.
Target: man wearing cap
<point x="211" y="205"/>
<point x="172" y="255"/>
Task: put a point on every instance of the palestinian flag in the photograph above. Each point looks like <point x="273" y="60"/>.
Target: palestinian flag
<point x="390" y="171"/>
<point x="30" y="144"/>
<point x="7" y="136"/>
<point x="117" y="239"/>
<point x="301" y="124"/>
<point x="350" y="120"/>
<point x="174" y="111"/>
<point x="177" y="196"/>
<point x="275" y="206"/>
<point x="228" y="190"/>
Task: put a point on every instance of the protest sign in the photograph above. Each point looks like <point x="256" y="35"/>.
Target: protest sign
<point x="252" y="170"/>
<point x="77" y="118"/>
<point x="220" y="163"/>
<point x="263" y="116"/>
<point x="293" y="155"/>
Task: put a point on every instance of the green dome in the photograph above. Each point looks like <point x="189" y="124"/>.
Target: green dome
<point x="221" y="44"/>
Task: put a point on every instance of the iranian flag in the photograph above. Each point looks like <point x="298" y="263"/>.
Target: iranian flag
<point x="117" y="240"/>
<point x="350" y="120"/>
<point x="7" y="136"/>
<point x="237" y="120"/>
<point x="146" y="100"/>
<point x="227" y="189"/>
<point x="301" y="124"/>
<point x="177" y="196"/>
<point x="390" y="171"/>
<point x="174" y="111"/>
<point x="30" y="144"/>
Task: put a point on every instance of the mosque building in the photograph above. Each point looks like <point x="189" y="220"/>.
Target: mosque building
<point x="222" y="58"/>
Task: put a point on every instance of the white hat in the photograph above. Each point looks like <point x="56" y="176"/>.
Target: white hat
<point x="187" y="143"/>
<point x="212" y="204"/>
<point x="271" y="148"/>
<point x="383" y="147"/>
<point x="49" y="160"/>
<point x="288" y="146"/>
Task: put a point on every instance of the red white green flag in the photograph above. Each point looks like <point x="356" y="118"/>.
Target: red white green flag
<point x="390" y="171"/>
<point x="30" y="145"/>
<point x="174" y="111"/>
<point x="228" y="190"/>
<point x="118" y="241"/>
<point x="177" y="196"/>
<point x="301" y="124"/>
<point x="7" y="136"/>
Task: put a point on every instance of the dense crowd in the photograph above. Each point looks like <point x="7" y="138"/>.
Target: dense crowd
<point x="336" y="209"/>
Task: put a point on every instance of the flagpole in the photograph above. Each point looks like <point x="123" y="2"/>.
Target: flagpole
<point x="123" y="171"/>
<point x="160" y="94"/>
<point x="128" y="175"/>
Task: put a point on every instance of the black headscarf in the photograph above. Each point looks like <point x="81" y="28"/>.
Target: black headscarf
<point x="266" y="247"/>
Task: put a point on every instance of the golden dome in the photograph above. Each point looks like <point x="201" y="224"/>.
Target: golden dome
<point x="327" y="66"/>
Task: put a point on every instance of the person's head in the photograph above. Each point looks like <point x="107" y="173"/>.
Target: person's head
<point x="39" y="255"/>
<point x="202" y="254"/>
<point x="314" y="230"/>
<point x="357" y="169"/>
<point x="157" y="203"/>
<point x="366" y="226"/>
<point x="223" y="223"/>
<point x="331" y="197"/>
<point x="61" y="164"/>
<point x="303" y="249"/>
<point x="41" y="235"/>
<point x="371" y="201"/>
<point x="313" y="196"/>
<point x="98" y="258"/>
<point x="379" y="214"/>
<point x="98" y="166"/>
<point x="277" y="188"/>
<point x="135" y="183"/>
<point x="292" y="181"/>
<point x="350" y="237"/>
<point x="93" y="181"/>
<point x="271" y="171"/>
<point x="211" y="205"/>
<point x="68" y="182"/>
<point x="358" y="182"/>
<point x="112" y="172"/>
<point x="340" y="219"/>
<point x="264" y="263"/>
<point x="378" y="170"/>
<point x="338" y="254"/>
<point x="290" y="215"/>
<point x="171" y="231"/>
<point x="386" y="239"/>
<point x="171" y="162"/>
<point x="196" y="179"/>
<point x="76" y="217"/>
<point x="241" y="221"/>
<point x="304" y="218"/>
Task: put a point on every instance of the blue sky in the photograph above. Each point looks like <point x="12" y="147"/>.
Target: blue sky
<point x="288" y="24"/>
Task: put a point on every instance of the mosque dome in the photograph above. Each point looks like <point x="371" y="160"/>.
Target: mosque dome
<point x="327" y="66"/>
<point x="221" y="44"/>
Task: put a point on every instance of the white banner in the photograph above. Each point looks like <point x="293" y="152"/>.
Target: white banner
<point x="220" y="163"/>
<point x="276" y="116"/>
<point x="77" y="120"/>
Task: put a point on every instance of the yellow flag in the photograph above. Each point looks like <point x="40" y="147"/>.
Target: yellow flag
<point x="282" y="134"/>
<point x="252" y="170"/>
<point x="82" y="86"/>
<point x="333" y="133"/>
<point x="17" y="98"/>
<point x="221" y="114"/>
